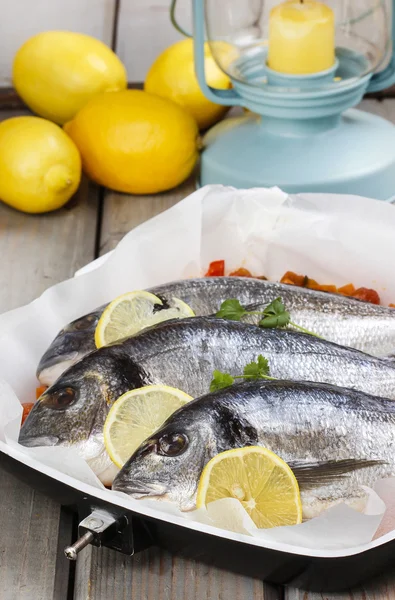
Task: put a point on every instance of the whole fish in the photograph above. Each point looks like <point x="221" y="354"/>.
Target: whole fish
<point x="335" y="440"/>
<point x="183" y="354"/>
<point x="203" y="295"/>
<point x="342" y="320"/>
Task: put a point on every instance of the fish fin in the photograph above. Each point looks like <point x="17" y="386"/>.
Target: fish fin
<point x="237" y="431"/>
<point x="311" y="475"/>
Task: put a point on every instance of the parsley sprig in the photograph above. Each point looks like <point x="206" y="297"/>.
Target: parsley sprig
<point x="258" y="369"/>
<point x="273" y="316"/>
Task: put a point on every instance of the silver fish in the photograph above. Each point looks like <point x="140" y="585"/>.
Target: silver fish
<point x="336" y="440"/>
<point x="342" y="320"/>
<point x="203" y="295"/>
<point x="183" y="354"/>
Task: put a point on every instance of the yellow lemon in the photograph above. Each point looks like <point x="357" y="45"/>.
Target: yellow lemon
<point x="172" y="76"/>
<point x="259" y="479"/>
<point x="130" y="313"/>
<point x="136" y="415"/>
<point x="40" y="167"/>
<point x="134" y="142"/>
<point x="57" y="72"/>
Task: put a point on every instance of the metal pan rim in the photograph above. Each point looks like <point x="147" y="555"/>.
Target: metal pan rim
<point x="143" y="510"/>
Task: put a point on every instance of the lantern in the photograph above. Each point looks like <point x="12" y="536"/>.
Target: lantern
<point x="299" y="67"/>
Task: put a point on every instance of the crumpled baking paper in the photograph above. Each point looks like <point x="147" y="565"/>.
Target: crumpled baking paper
<point x="334" y="239"/>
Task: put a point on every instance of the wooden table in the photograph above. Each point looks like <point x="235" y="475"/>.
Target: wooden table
<point x="37" y="252"/>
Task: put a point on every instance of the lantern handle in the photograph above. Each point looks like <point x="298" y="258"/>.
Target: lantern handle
<point x="385" y="78"/>
<point x="174" y="22"/>
<point x="225" y="97"/>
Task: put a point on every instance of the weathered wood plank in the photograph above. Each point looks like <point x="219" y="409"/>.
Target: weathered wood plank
<point x="157" y="575"/>
<point x="29" y="525"/>
<point x="20" y="20"/>
<point x="41" y="250"/>
<point x="121" y="212"/>
<point x="382" y="588"/>
<point x="36" y="252"/>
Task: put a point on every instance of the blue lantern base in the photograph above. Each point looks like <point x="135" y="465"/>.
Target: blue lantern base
<point x="351" y="153"/>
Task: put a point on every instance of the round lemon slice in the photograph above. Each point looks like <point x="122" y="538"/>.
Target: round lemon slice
<point x="259" y="479"/>
<point x="130" y="313"/>
<point x="136" y="415"/>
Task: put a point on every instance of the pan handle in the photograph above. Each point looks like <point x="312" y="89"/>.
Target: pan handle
<point x="103" y="528"/>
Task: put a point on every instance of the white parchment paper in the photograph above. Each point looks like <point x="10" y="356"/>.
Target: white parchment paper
<point x="334" y="239"/>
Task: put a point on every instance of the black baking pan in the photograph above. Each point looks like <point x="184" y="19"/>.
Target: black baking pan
<point x="328" y="571"/>
<point x="333" y="229"/>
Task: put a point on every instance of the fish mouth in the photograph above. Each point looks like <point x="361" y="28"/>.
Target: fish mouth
<point x="51" y="368"/>
<point x="36" y="441"/>
<point x="139" y="491"/>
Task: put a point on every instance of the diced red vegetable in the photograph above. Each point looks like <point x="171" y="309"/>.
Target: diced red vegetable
<point x="346" y="290"/>
<point x="241" y="273"/>
<point x="292" y="278"/>
<point x="367" y="295"/>
<point x="27" y="407"/>
<point x="40" y="390"/>
<point x="314" y="285"/>
<point x="216" y="269"/>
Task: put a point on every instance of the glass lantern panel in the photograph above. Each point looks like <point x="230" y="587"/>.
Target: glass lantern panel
<point x="239" y="33"/>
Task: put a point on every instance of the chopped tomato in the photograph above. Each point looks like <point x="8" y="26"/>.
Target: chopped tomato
<point x="346" y="290"/>
<point x="367" y="295"/>
<point x="294" y="279"/>
<point x="27" y="407"/>
<point x="241" y="273"/>
<point x="40" y="390"/>
<point x="216" y="269"/>
<point x="314" y="285"/>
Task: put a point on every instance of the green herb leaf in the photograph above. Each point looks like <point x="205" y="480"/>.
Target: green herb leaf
<point x="231" y="309"/>
<point x="257" y="370"/>
<point x="220" y="381"/>
<point x="275" y="315"/>
<point x="273" y="322"/>
<point x="274" y="308"/>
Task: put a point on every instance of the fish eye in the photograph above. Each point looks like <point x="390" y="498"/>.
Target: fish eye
<point x="82" y="324"/>
<point x="172" y="444"/>
<point x="60" y="399"/>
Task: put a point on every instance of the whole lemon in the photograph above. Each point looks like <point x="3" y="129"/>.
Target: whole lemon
<point x="134" y="142"/>
<point x="40" y="167"/>
<point x="57" y="72"/>
<point x="172" y="76"/>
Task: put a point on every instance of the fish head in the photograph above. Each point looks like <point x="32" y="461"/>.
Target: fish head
<point x="72" y="343"/>
<point x="73" y="410"/>
<point x="167" y="466"/>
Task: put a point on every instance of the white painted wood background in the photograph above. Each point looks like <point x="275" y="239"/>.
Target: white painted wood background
<point x="144" y="27"/>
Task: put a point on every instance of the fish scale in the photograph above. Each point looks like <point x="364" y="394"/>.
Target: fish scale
<point x="296" y="420"/>
<point x="183" y="354"/>
<point x="346" y="321"/>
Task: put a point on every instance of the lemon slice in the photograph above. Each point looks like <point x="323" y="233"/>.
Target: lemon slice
<point x="136" y="415"/>
<point x="259" y="479"/>
<point x="130" y="313"/>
